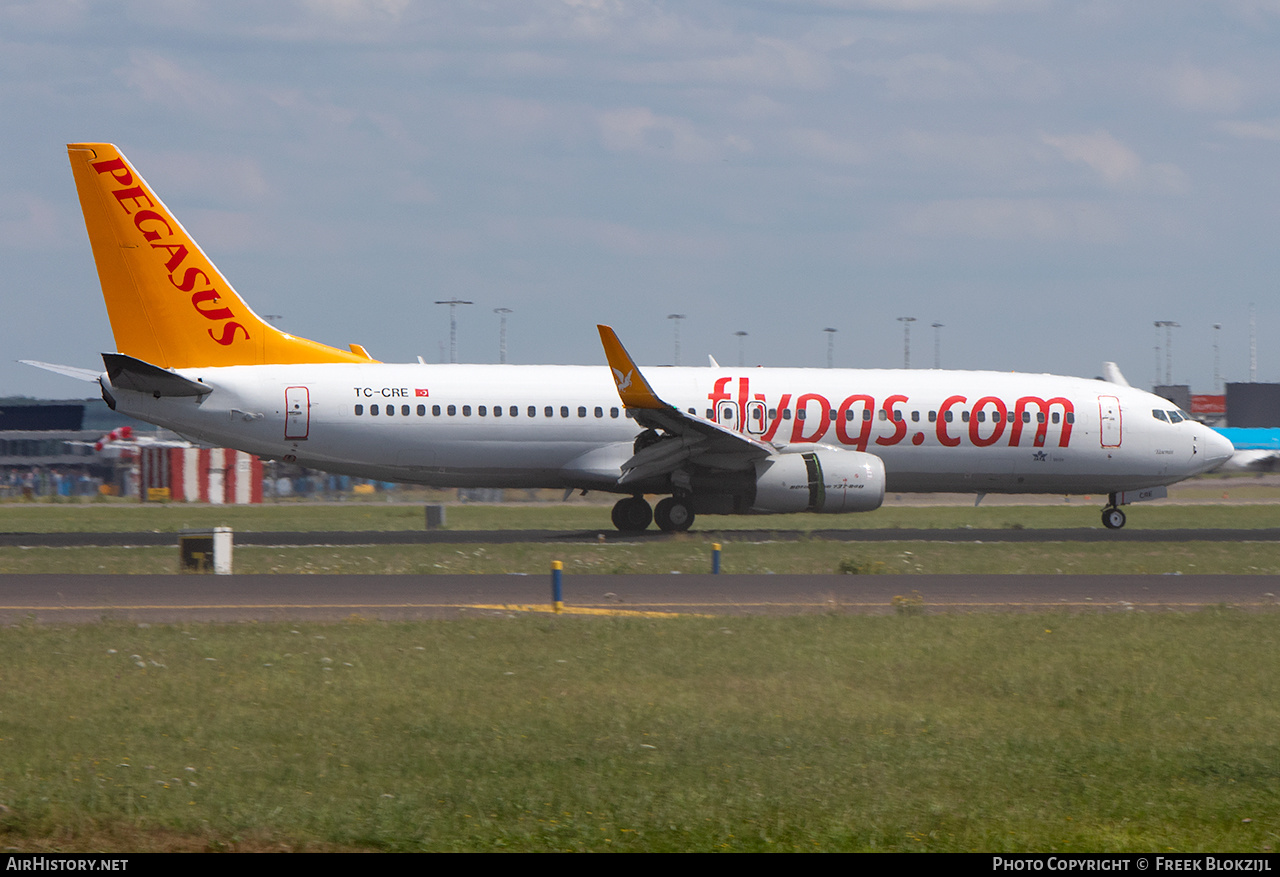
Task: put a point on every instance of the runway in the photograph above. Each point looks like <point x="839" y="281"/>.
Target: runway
<point x="502" y="537"/>
<point x="282" y="598"/>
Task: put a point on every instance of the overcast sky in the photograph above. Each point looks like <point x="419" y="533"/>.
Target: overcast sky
<point x="1045" y="179"/>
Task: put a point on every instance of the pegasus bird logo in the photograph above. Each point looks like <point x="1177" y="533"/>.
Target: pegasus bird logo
<point x="623" y="381"/>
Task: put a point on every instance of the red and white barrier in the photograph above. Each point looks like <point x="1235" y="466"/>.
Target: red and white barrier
<point x="212" y="475"/>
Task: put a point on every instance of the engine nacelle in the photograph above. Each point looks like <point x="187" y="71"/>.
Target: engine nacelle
<point x="829" y="480"/>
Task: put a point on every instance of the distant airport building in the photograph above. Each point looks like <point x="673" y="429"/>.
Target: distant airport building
<point x="80" y="447"/>
<point x="1178" y="394"/>
<point x="1252" y="405"/>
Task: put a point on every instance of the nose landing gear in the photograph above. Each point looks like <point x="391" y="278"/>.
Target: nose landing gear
<point x="1112" y="518"/>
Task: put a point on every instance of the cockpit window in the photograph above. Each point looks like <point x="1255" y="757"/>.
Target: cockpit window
<point x="1175" y="417"/>
<point x="1159" y="415"/>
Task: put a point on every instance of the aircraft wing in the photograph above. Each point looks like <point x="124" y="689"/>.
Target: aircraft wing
<point x="688" y="437"/>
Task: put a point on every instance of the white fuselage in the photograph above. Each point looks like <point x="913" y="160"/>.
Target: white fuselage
<point x="564" y="426"/>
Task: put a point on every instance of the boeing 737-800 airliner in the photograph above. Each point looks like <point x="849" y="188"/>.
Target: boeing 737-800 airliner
<point x="192" y="356"/>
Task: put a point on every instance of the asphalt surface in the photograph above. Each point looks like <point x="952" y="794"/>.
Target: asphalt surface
<point x="501" y="537"/>
<point x="57" y="598"/>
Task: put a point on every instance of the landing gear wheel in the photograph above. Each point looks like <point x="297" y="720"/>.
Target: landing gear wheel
<point x="632" y="515"/>
<point x="673" y="515"/>
<point x="1112" y="518"/>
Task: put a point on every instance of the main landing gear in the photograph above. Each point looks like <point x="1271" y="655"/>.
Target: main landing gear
<point x="1112" y="517"/>
<point x="633" y="515"/>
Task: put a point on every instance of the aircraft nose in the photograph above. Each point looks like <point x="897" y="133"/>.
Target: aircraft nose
<point x="1217" y="449"/>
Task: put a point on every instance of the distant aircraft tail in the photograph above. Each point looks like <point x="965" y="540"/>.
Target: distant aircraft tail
<point x="169" y="306"/>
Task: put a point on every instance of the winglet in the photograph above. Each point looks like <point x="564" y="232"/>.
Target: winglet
<point x="633" y="389"/>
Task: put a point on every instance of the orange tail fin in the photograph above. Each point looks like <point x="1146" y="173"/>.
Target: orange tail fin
<point x="168" y="304"/>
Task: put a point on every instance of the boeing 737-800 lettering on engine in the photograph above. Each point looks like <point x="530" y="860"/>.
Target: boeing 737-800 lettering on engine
<point x="193" y="357"/>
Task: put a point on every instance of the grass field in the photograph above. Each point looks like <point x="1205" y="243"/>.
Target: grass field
<point x="993" y="733"/>
<point x="691" y="554"/>
<point x="1201" y="504"/>
<point x="1084" y="732"/>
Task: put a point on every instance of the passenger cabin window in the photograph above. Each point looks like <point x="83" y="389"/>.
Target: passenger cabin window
<point x="533" y="411"/>
<point x="466" y="410"/>
<point x="373" y="409"/>
<point x="613" y="412"/>
<point x="359" y="410"/>
<point x="422" y="410"/>
<point x="599" y="411"/>
<point x="497" y="410"/>
<point x="435" y="411"/>
<point x="582" y="410"/>
<point x="481" y="410"/>
<point x="564" y="410"/>
<point x="514" y="411"/>
<point x="404" y="410"/>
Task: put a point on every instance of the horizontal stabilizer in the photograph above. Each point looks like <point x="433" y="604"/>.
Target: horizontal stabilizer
<point x="80" y="374"/>
<point x="128" y="373"/>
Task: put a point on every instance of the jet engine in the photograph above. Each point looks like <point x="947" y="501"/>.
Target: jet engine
<point x="828" y="480"/>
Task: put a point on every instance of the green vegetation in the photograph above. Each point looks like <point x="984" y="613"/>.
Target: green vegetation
<point x="997" y="733"/>
<point x="1207" y="511"/>
<point x="690" y="554"/>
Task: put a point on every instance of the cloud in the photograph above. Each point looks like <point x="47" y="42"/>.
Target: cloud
<point x="1268" y="130"/>
<point x="1117" y="165"/>
<point x="985" y="74"/>
<point x="211" y="177"/>
<point x="29" y="222"/>
<point x="767" y="62"/>
<point x="817" y="144"/>
<point x="639" y="129"/>
<point x="1102" y="153"/>
<point x="164" y="81"/>
<point x="1203" y="89"/>
<point x="1006" y="219"/>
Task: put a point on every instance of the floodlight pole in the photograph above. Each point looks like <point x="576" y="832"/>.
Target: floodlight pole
<point x="502" y="333"/>
<point x="453" y="325"/>
<point x="906" y="340"/>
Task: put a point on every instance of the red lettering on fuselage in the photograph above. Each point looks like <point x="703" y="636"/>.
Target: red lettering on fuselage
<point x="983" y="424"/>
<point x="1043" y="413"/>
<point x="865" y="423"/>
<point x="802" y="418"/>
<point x="975" y="421"/>
<point x="899" y="425"/>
